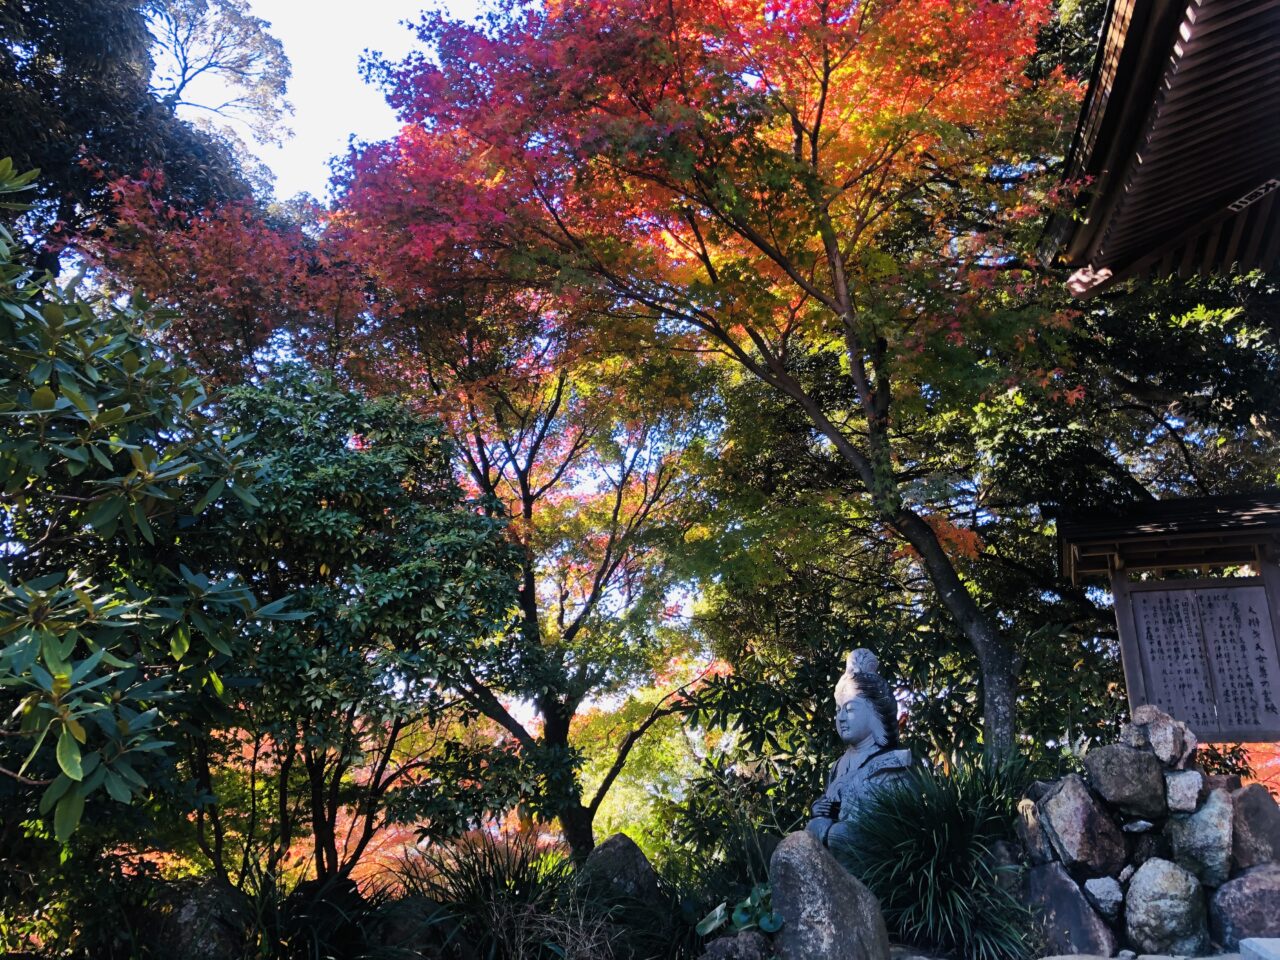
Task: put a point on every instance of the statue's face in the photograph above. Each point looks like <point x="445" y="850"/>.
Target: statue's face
<point x="856" y="720"/>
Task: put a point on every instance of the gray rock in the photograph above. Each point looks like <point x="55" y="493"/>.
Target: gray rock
<point x="207" y="921"/>
<point x="1082" y="834"/>
<point x="1248" y="906"/>
<point x="1129" y="779"/>
<point x="1149" y="846"/>
<point x="1165" y="910"/>
<point x="827" y="914"/>
<point x="1038" y="789"/>
<point x="1126" y="955"/>
<point x="1138" y="826"/>
<point x="1182" y="790"/>
<point x="618" y="868"/>
<point x="1127" y="873"/>
<point x="1031" y="832"/>
<point x="1105" y="895"/>
<point x="1171" y="740"/>
<point x="1260" y="948"/>
<point x="1255" y="827"/>
<point x="1070" y="925"/>
<point x="1134" y="735"/>
<point x="1202" y="840"/>
<point x="745" y="945"/>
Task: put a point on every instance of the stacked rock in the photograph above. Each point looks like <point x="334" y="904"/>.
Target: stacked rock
<point x="1147" y="852"/>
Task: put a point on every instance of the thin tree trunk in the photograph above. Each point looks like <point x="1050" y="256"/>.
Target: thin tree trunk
<point x="995" y="657"/>
<point x="576" y="826"/>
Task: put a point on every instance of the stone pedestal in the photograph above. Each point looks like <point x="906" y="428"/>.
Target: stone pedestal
<point x="1255" y="948"/>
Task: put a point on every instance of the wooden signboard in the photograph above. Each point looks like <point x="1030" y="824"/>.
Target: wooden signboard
<point x="1204" y="651"/>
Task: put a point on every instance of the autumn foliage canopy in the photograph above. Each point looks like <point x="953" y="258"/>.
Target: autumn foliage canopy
<point x="776" y="185"/>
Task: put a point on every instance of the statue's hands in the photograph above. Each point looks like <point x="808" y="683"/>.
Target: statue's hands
<point x="826" y="807"/>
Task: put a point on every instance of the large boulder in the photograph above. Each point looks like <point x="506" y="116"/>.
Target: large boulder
<point x="1129" y="779"/>
<point x="1202" y="840"/>
<point x="617" y="868"/>
<point x="1082" y="834"/>
<point x="827" y="914"/>
<point x="745" y="945"/>
<point x="1248" y="906"/>
<point x="207" y="920"/>
<point x="1031" y="832"/>
<point x="1255" y="827"/>
<point x="1165" y="910"/>
<point x="1070" y="925"/>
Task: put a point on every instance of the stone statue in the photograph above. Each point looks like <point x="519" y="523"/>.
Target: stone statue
<point x="867" y="721"/>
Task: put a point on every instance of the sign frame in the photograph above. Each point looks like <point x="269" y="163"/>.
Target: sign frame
<point x="1135" y="660"/>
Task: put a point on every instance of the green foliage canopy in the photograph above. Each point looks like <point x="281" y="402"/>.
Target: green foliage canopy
<point x="405" y="588"/>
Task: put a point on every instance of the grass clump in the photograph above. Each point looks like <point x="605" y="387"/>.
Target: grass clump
<point x="927" y="847"/>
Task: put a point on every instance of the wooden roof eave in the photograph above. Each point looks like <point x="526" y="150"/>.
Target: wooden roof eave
<point x="1116" y="120"/>
<point x="1180" y="142"/>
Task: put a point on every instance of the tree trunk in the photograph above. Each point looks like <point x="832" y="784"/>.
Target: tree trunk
<point x="575" y="824"/>
<point x="995" y="657"/>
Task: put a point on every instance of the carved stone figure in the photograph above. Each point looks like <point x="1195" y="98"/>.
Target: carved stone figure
<point x="867" y="721"/>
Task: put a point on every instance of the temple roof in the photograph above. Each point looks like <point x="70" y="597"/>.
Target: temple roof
<point x="1178" y="143"/>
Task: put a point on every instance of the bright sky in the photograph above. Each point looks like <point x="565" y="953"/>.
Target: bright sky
<point x="324" y="40"/>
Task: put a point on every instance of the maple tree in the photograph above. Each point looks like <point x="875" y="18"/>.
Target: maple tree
<point x="584" y="449"/>
<point x="578" y="441"/>
<point x="779" y="185"/>
<point x="236" y="274"/>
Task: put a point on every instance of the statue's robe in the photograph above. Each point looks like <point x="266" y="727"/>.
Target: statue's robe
<point x="850" y="782"/>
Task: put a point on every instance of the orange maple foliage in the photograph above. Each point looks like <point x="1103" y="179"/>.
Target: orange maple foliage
<point x="1265" y="760"/>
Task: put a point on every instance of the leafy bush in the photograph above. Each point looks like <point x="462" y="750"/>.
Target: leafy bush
<point x="327" y="919"/>
<point x="927" y="848"/>
<point x="1225" y="759"/>
<point x="83" y="902"/>
<point x="111" y="626"/>
<point x="753" y="912"/>
<point x="345" y="718"/>
<point x="721" y="833"/>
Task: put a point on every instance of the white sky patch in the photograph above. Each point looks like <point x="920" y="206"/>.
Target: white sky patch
<point x="324" y="40"/>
